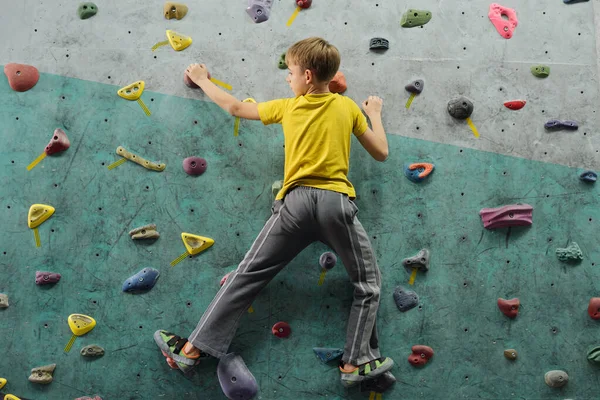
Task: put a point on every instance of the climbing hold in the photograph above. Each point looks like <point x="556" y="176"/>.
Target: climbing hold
<point x="510" y="215"/>
<point x="143" y="281"/>
<point x="87" y="10"/>
<point x="59" y="142"/>
<point x="42" y="375"/>
<point x="415" y="86"/>
<point x="139" y="160"/>
<point x="379" y="384"/>
<point x="281" y="329"/>
<point x="133" y="91"/>
<point x="2" y="382"/>
<point x="259" y="10"/>
<point x="419" y="261"/>
<point x="460" y="107"/>
<point x="592" y="356"/>
<point x="420" y="355"/>
<point x="556" y="378"/>
<point x="237" y="382"/>
<point x="89" y="398"/>
<point x="515" y="104"/>
<point x="412" y="18"/>
<point x="555" y="124"/>
<point x="11" y="397"/>
<point x="405" y="299"/>
<point x="304" y="3"/>
<point x="327" y="260"/>
<point x="194" y="165"/>
<point x="144" y="232"/>
<point x="281" y="62"/>
<point x="541" y="71"/>
<point x="379" y="43"/>
<point x="38" y="213"/>
<point x="195" y="244"/>
<point x="92" y="350"/>
<point x="417" y="172"/>
<point x="589" y="176"/>
<point x="574" y="1"/>
<point x="46" y="278"/>
<point x="510" y="308"/>
<point x="3" y="300"/>
<point x="326" y="354"/>
<point x="276" y="187"/>
<point x="21" y="77"/>
<point x="338" y="83"/>
<point x="511" y="354"/>
<point x="174" y="10"/>
<point x="504" y="27"/>
<point x="81" y="324"/>
<point x="178" y="41"/>
<point x="594" y="308"/>
<point x="570" y="253"/>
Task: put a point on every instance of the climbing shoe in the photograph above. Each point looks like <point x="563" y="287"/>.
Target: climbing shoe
<point x="171" y="346"/>
<point x="370" y="370"/>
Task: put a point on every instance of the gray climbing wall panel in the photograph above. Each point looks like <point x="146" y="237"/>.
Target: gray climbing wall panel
<point x="87" y="242"/>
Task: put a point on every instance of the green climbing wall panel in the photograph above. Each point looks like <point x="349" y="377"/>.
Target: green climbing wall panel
<point x="87" y="242"/>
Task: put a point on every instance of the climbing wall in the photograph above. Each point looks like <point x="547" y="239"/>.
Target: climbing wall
<point x="514" y="160"/>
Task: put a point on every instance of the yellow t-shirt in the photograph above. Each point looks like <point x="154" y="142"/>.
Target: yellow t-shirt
<point x="316" y="129"/>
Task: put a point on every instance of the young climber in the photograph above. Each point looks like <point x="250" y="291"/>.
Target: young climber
<point x="314" y="204"/>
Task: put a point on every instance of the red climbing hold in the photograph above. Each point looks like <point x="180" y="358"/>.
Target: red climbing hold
<point x="59" y="142"/>
<point x="21" y="77"/>
<point x="338" y="83"/>
<point x="303" y="3"/>
<point x="420" y="355"/>
<point x="515" y="104"/>
<point x="510" y="308"/>
<point x="281" y="329"/>
<point x="505" y="27"/>
<point x="594" y="308"/>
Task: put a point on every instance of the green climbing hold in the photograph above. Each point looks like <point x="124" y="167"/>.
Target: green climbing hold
<point x="281" y="63"/>
<point x="87" y="10"/>
<point x="570" y="253"/>
<point x="541" y="71"/>
<point x="413" y="18"/>
<point x="594" y="355"/>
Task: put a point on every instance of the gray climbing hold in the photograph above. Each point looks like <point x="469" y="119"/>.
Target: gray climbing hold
<point x="588" y="176"/>
<point x="556" y="124"/>
<point x="460" y="107"/>
<point x="326" y="354"/>
<point x="281" y="63"/>
<point x="379" y="384"/>
<point x="556" y="378"/>
<point x="42" y="375"/>
<point x="570" y="253"/>
<point x="92" y="350"/>
<point x="259" y="10"/>
<point x="379" y="43"/>
<point x="144" y="232"/>
<point x="237" y="382"/>
<point x="415" y="86"/>
<point x="405" y="299"/>
<point x="276" y="187"/>
<point x="419" y="261"/>
<point x="3" y="300"/>
<point x="327" y="260"/>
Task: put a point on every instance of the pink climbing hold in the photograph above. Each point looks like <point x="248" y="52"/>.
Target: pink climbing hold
<point x="511" y="215"/>
<point x="420" y="355"/>
<point x="510" y="308"/>
<point x="21" y="77"/>
<point x="98" y="397"/>
<point x="594" y="308"/>
<point x="46" y="278"/>
<point x="59" y="142"/>
<point x="505" y="28"/>
<point x="281" y="329"/>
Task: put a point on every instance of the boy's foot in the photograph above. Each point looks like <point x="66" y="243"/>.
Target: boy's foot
<point x="370" y="370"/>
<point x="174" y="349"/>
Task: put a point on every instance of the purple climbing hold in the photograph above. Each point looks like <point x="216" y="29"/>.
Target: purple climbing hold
<point x="511" y="215"/>
<point x="237" y="382"/>
<point x="143" y="281"/>
<point x="327" y="260"/>
<point x="556" y="124"/>
<point x="589" y="176"/>
<point x="46" y="278"/>
<point x="194" y="165"/>
<point x="259" y="10"/>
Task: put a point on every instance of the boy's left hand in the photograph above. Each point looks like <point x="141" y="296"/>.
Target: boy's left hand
<point x="197" y="72"/>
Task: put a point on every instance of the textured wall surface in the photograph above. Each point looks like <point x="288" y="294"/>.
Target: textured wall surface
<point x="87" y="241"/>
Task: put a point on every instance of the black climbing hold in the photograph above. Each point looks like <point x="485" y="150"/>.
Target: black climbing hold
<point x="460" y="107"/>
<point x="573" y="1"/>
<point x="379" y="384"/>
<point x="415" y="86"/>
<point x="589" y="176"/>
<point x="327" y="260"/>
<point x="326" y="354"/>
<point x="237" y="382"/>
<point x="405" y="299"/>
<point x="556" y="124"/>
<point x="379" y="43"/>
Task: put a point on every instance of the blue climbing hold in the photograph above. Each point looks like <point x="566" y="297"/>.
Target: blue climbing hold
<point x="589" y="176"/>
<point x="326" y="354"/>
<point x="143" y="281"/>
<point x="417" y="172"/>
<point x="327" y="260"/>
<point x="237" y="382"/>
<point x="574" y="1"/>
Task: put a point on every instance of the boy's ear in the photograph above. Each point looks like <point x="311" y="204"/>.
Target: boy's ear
<point x="309" y="76"/>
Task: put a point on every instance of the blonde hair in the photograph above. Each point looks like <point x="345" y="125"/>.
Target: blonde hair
<point x="317" y="55"/>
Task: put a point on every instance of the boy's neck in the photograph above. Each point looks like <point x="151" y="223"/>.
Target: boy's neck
<point x="318" y="89"/>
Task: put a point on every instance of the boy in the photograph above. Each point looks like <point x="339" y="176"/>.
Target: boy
<point x="314" y="204"/>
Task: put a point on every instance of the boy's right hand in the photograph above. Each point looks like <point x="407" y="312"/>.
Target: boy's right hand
<point x="197" y="72"/>
<point x="372" y="105"/>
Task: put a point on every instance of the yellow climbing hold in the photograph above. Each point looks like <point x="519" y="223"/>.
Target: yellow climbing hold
<point x="38" y="213"/>
<point x="11" y="397"/>
<point x="2" y="382"/>
<point x="178" y="41"/>
<point x="133" y="91"/>
<point x="196" y="244"/>
<point x="81" y="324"/>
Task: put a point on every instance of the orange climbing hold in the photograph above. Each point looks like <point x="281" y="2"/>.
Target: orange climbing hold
<point x="338" y="83"/>
<point x="594" y="308"/>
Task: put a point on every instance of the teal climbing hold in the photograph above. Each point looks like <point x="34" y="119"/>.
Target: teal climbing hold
<point x="569" y="253"/>
<point x="326" y="354"/>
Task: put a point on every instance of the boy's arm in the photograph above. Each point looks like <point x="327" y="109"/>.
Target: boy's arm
<point x="374" y="140"/>
<point x="199" y="75"/>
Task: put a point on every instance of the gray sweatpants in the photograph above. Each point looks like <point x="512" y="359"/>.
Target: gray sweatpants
<point x="305" y="215"/>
